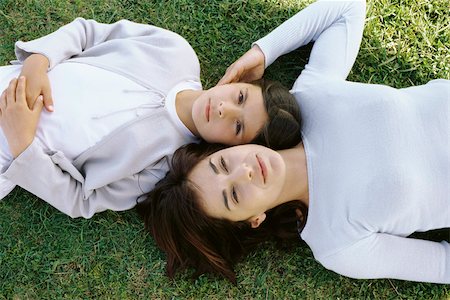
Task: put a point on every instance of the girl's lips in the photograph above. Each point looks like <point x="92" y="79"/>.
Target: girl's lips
<point x="262" y="167"/>
<point x="207" y="110"/>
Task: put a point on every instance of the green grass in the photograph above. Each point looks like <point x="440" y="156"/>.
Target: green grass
<point x="45" y="254"/>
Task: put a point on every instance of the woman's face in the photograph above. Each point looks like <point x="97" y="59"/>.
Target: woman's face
<point x="230" y="114"/>
<point x="239" y="183"/>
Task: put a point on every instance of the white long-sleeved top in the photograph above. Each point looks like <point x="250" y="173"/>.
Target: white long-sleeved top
<point x="122" y="164"/>
<point x="378" y="158"/>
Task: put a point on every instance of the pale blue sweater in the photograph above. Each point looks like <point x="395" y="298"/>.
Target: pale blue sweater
<point x="378" y="157"/>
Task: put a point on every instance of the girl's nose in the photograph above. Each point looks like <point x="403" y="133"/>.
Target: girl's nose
<point x="221" y="110"/>
<point x="226" y="109"/>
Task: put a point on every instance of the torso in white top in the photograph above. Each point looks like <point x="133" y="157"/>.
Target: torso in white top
<point x="378" y="158"/>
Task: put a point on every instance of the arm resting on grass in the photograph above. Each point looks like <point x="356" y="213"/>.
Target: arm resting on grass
<point x="78" y="36"/>
<point x="388" y="256"/>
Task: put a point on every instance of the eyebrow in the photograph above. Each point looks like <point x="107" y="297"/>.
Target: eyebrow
<point x="224" y="193"/>
<point x="245" y="103"/>
<point x="225" y="199"/>
<point x="213" y="167"/>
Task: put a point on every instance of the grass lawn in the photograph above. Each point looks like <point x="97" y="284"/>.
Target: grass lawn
<point x="45" y="254"/>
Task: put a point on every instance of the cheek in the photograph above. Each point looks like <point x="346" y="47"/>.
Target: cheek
<point x="219" y="92"/>
<point x="276" y="189"/>
<point x="255" y="197"/>
<point x="213" y="132"/>
<point x="220" y="127"/>
<point x="266" y="196"/>
<point x="195" y="114"/>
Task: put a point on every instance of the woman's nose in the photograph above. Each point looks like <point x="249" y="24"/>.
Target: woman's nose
<point x="226" y="109"/>
<point x="244" y="173"/>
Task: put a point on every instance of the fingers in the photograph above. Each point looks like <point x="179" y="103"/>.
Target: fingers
<point x="247" y="68"/>
<point x="38" y="105"/>
<point x="15" y="93"/>
<point x="2" y="102"/>
<point x="231" y="75"/>
<point x="225" y="79"/>
<point x="20" y="90"/>
<point x="48" y="100"/>
<point x="11" y="92"/>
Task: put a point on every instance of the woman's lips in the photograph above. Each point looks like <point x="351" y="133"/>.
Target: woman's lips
<point x="207" y="110"/>
<point x="262" y="167"/>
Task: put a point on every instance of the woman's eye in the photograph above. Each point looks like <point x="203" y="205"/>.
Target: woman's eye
<point x="241" y="98"/>
<point x="234" y="194"/>
<point x="238" y="127"/>
<point x="223" y="164"/>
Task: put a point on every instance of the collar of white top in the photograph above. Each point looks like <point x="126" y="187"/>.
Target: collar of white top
<point x="170" y="103"/>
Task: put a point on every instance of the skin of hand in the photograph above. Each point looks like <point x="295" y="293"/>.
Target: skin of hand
<point x="18" y="121"/>
<point x="247" y="68"/>
<point x="35" y="70"/>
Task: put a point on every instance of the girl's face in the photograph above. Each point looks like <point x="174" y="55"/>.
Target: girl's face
<point x="239" y="183"/>
<point x="230" y="114"/>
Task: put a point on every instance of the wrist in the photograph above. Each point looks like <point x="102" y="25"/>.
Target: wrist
<point x="19" y="147"/>
<point x="37" y="62"/>
<point x="258" y="54"/>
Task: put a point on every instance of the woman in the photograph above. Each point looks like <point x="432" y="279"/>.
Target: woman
<point x="127" y="96"/>
<point x="374" y="167"/>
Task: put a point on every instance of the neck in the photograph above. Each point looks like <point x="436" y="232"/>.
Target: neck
<point x="296" y="182"/>
<point x="183" y="103"/>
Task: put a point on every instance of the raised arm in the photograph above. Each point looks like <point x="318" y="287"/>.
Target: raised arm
<point x="387" y="256"/>
<point x="335" y="26"/>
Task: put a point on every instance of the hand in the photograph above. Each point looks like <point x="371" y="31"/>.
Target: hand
<point x="247" y="68"/>
<point x="18" y="121"/>
<point x="35" y="71"/>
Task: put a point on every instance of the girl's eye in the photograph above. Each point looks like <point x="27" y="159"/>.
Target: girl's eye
<point x="234" y="194"/>
<point x="223" y="164"/>
<point x="238" y="127"/>
<point x="241" y="98"/>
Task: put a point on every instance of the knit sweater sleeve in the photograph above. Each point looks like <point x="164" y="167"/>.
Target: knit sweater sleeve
<point x="78" y="36"/>
<point x="388" y="256"/>
<point x="336" y="27"/>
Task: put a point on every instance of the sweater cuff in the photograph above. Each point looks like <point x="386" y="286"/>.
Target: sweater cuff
<point x="22" y="162"/>
<point x="264" y="45"/>
<point x="23" y="50"/>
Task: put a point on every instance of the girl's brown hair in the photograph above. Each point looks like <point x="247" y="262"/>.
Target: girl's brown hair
<point x="175" y="219"/>
<point x="282" y="130"/>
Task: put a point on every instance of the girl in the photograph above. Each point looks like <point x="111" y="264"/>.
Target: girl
<point x="373" y="168"/>
<point x="127" y="95"/>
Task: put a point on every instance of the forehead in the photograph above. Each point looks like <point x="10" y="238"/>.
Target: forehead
<point x="206" y="182"/>
<point x="254" y="90"/>
<point x="200" y="169"/>
<point x="255" y="114"/>
<point x="203" y="175"/>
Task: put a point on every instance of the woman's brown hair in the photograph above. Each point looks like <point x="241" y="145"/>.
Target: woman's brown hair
<point x="175" y="219"/>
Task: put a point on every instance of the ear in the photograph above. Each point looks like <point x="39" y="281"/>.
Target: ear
<point x="257" y="220"/>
